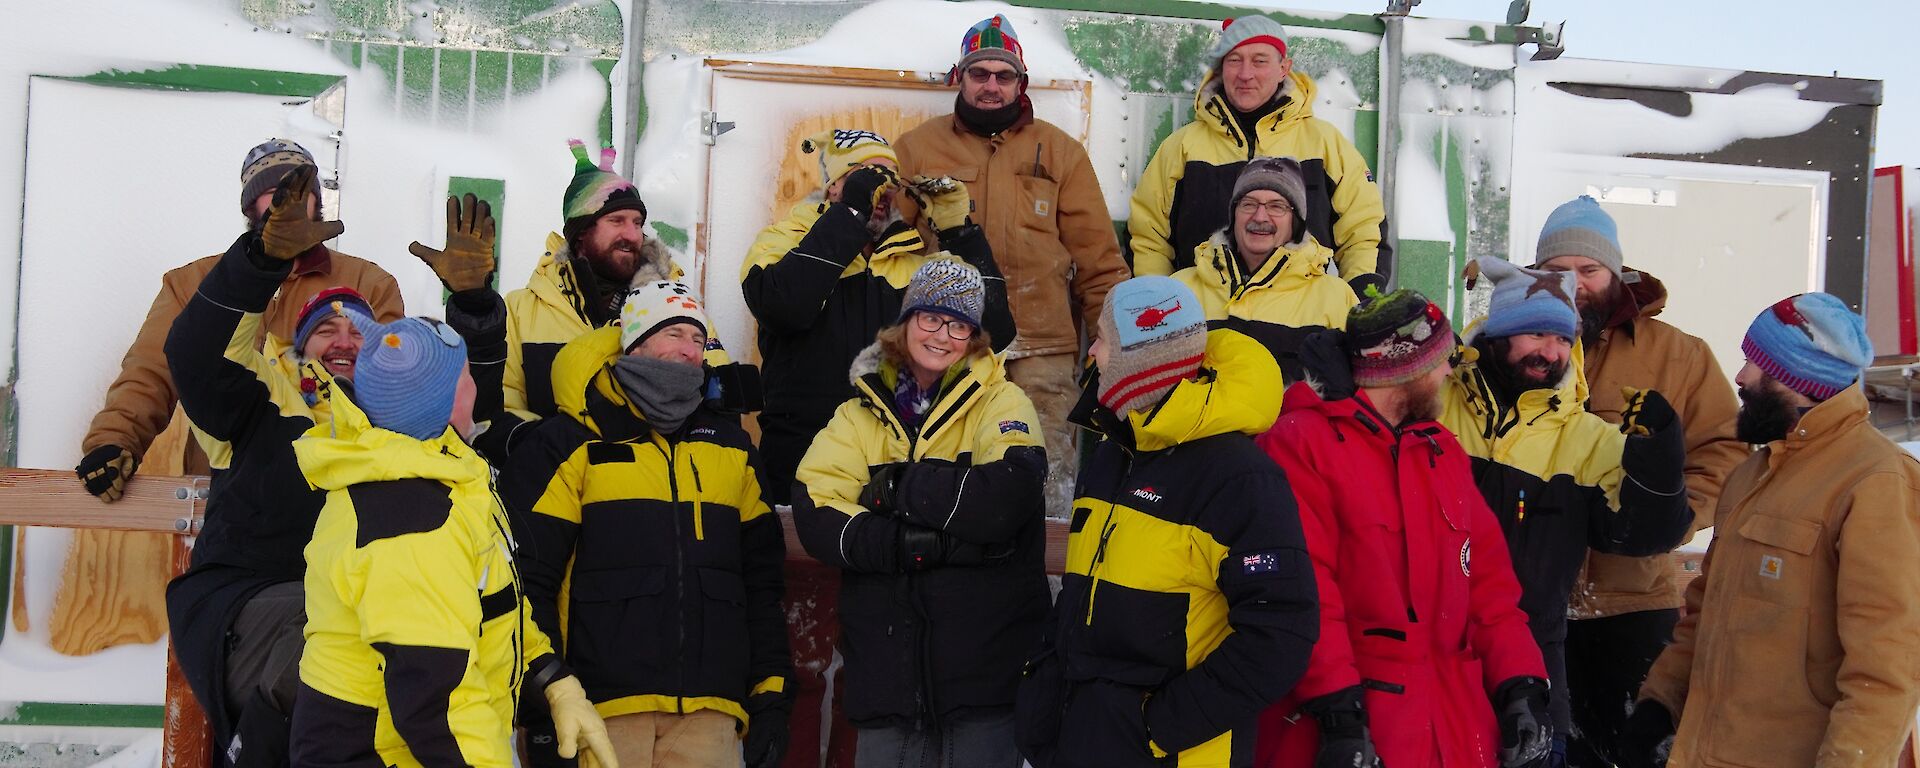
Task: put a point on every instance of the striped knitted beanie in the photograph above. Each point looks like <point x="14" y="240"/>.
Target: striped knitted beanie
<point x="595" y="191"/>
<point x="1396" y="338"/>
<point x="266" y="165"/>
<point x="1247" y="30"/>
<point x="1811" y="342"/>
<point x="948" y="287"/>
<point x="405" y="376"/>
<point x="1580" y="228"/>
<point x="1529" y="301"/>
<point x="338" y="301"/>
<point x="1155" y="334"/>
<point x="990" y="39"/>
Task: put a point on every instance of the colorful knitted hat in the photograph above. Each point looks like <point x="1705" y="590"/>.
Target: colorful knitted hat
<point x="405" y="376"/>
<point x="990" y="39"/>
<point x="1580" y="228"/>
<point x="1396" y="338"/>
<point x="948" y="287"/>
<point x="1155" y="334"/>
<point x="844" y="149"/>
<point x="338" y="301"/>
<point x="266" y="165"/>
<point x="1247" y="30"/>
<point x="595" y="191"/>
<point x="657" y="305"/>
<point x="1280" y="175"/>
<point x="1811" y="342"/>
<point x="1529" y="301"/>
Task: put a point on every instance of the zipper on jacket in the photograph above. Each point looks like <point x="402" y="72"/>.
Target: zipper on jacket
<point x="1099" y="555"/>
<point x="679" y="584"/>
<point x="699" y="525"/>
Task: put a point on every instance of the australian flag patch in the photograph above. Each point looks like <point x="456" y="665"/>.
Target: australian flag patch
<point x="1013" y="426"/>
<point x="1260" y="562"/>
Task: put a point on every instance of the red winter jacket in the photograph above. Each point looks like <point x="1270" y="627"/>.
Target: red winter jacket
<point x="1418" y="601"/>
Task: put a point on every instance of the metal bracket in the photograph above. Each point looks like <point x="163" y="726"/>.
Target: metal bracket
<point x="195" y="496"/>
<point x="1550" y="38"/>
<point x="711" y="127"/>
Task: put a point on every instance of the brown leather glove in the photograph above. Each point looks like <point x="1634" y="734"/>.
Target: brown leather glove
<point x="944" y="199"/>
<point x="105" y="471"/>
<point x="467" y="261"/>
<point x="289" y="231"/>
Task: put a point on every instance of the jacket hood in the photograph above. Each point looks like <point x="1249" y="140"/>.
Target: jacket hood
<point x="986" y="368"/>
<point x="1219" y="264"/>
<point x="584" y="364"/>
<point x="873" y="379"/>
<point x="1210" y="106"/>
<point x="553" y="280"/>
<point x="1648" y="292"/>
<point x="1543" y="408"/>
<point x="348" y="450"/>
<point x="1238" y="390"/>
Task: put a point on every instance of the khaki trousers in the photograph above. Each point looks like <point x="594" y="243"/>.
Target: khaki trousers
<point x="1052" y="382"/>
<point x="701" y="739"/>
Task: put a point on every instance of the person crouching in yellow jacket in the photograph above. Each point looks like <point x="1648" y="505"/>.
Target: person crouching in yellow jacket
<point x="925" y="490"/>
<point x="419" y="640"/>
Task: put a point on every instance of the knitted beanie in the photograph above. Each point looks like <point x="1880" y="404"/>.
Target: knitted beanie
<point x="657" y="305"/>
<point x="1811" y="342"/>
<point x="1397" y="338"/>
<point x="337" y="301"/>
<point x="595" y="191"/>
<point x="1280" y="175"/>
<point x="266" y="165"/>
<point x="1155" y="334"/>
<point x="1529" y="301"/>
<point x="405" y="376"/>
<point x="948" y="287"/>
<point x="1580" y="228"/>
<point x="990" y="39"/>
<point x="843" y="149"/>
<point x="1247" y="30"/>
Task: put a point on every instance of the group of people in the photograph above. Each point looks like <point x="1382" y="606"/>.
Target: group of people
<point x="1313" y="525"/>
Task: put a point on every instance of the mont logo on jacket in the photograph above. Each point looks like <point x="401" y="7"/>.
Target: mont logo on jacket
<point x="1289" y="297"/>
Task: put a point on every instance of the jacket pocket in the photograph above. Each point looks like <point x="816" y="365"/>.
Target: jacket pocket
<point x="1764" y="707"/>
<point x="1780" y="558"/>
<point x="610" y="611"/>
<point x="1038" y="199"/>
<point x="1038" y="708"/>
<point x="1105" y="724"/>
<point x="722" y="646"/>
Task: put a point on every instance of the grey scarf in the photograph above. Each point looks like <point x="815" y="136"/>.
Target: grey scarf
<point x="665" y="392"/>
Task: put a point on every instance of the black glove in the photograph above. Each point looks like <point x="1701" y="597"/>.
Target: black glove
<point x="734" y="388"/>
<point x="1360" y="284"/>
<point x="105" y="471"/>
<point x="1324" y="358"/>
<point x="1655" y="457"/>
<point x="1344" y="742"/>
<point x="766" y="742"/>
<point x="863" y="187"/>
<point x="1647" y="412"/>
<point x="883" y="487"/>
<point x="1526" y="730"/>
<point x="922" y="548"/>
<point x="1646" y="736"/>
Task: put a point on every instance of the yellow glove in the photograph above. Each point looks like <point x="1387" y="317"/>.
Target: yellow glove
<point x="944" y="199"/>
<point x="574" y="721"/>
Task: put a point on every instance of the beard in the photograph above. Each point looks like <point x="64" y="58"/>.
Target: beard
<point x="1765" y="414"/>
<point x="1423" y="401"/>
<point x="1510" y="380"/>
<point x="615" y="263"/>
<point x="1593" y="322"/>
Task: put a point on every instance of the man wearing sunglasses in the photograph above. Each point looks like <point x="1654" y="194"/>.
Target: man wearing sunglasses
<point x="1036" y="196"/>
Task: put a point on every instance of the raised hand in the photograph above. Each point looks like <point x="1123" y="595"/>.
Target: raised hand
<point x="290" y="230"/>
<point x="467" y="261"/>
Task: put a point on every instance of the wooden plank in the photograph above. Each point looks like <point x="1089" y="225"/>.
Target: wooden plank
<point x="50" y="497"/>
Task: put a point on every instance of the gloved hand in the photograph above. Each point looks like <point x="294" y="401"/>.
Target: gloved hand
<point x="467" y="260"/>
<point x="734" y="388"/>
<point x="922" y="548"/>
<point x="289" y="231"/>
<point x="1646" y="736"/>
<point x="574" y="721"/>
<point x="766" y="741"/>
<point x="1344" y="741"/>
<point x="105" y="471"/>
<point x="1526" y="729"/>
<point x="1324" y="358"/>
<point x="944" y="199"/>
<point x="864" y="186"/>
<point x="1647" y="412"/>
<point x="883" y="487"/>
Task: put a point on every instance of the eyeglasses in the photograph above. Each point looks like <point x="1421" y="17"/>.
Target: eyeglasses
<point x="1003" y="76"/>
<point x="1275" y="209"/>
<point x="958" y="330"/>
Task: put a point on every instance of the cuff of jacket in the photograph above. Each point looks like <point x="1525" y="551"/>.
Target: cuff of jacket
<point x="480" y="317"/>
<point x="239" y="282"/>
<point x="543" y="671"/>
<point x="774" y="684"/>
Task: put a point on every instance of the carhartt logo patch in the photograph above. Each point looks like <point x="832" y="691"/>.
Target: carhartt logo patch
<point x="1771" y="566"/>
<point x="1042" y="207"/>
<point x="1148" y="494"/>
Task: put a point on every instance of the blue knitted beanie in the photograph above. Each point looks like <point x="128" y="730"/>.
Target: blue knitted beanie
<point x="1811" y="342"/>
<point x="1580" y="228"/>
<point x="1529" y="301"/>
<point x="406" y="373"/>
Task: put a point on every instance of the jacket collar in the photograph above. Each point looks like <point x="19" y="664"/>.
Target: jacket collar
<point x="555" y="283"/>
<point x="318" y="261"/>
<point x="348" y="450"/>
<point x="1833" y="417"/>
<point x="1543" y="409"/>
<point x="1210" y="108"/>
<point x="1238" y="390"/>
<point x="873" y="379"/>
<point x="1219" y="263"/>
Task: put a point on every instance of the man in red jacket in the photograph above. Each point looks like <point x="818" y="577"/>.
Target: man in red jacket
<point x="1421" y="632"/>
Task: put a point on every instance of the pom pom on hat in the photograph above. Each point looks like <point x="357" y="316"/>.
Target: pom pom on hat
<point x="844" y="149"/>
<point x="595" y="191"/>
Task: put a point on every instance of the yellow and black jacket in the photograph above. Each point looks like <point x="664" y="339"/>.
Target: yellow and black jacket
<point x="1188" y="603"/>
<point x="820" y="287"/>
<point x="653" y="559"/>
<point x="1289" y="297"/>
<point x="922" y="645"/>
<point x="1182" y="196"/>
<point x="1555" y="475"/>
<point x="419" y="638"/>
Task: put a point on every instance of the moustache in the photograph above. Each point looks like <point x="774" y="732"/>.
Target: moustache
<point x="1261" y="227"/>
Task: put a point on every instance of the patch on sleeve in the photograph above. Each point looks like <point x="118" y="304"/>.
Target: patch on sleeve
<point x="1013" y="426"/>
<point x="1260" y="562"/>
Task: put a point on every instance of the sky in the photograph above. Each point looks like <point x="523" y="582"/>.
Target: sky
<point x="1870" y="39"/>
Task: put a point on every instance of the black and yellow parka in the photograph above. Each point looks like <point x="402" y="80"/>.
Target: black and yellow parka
<point x="420" y="640"/>
<point x="1290" y="297"/>
<point x="653" y="560"/>
<point x="923" y="645"/>
<point x="1188" y="604"/>
<point x="820" y="286"/>
<point x="1554" y="474"/>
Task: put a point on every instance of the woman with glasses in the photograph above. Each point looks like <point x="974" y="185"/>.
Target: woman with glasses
<point x="925" y="490"/>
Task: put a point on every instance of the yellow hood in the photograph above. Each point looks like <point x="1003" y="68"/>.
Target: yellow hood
<point x="582" y="363"/>
<point x="1538" y="407"/>
<point x="349" y="450"/>
<point x="1211" y="107"/>
<point x="1238" y="391"/>
<point x="1217" y="264"/>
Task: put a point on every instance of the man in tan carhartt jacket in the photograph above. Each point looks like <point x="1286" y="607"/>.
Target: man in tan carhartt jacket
<point x="1801" y="635"/>
<point x="141" y="400"/>
<point x="1624" y="608"/>
<point x="1035" y="195"/>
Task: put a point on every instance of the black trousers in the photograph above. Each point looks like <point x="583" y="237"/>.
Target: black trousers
<point x="1607" y="660"/>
